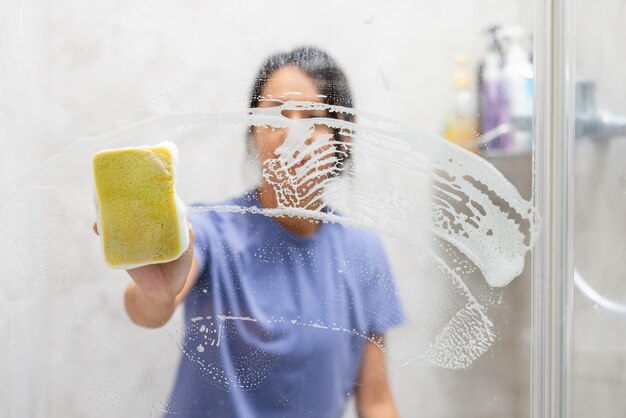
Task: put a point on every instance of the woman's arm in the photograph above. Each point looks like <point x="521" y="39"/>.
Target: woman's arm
<point x="373" y="394"/>
<point x="156" y="289"/>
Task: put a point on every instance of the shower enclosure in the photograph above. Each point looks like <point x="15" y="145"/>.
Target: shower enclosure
<point x="507" y="264"/>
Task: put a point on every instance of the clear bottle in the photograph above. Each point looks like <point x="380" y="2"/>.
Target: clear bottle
<point x="518" y="79"/>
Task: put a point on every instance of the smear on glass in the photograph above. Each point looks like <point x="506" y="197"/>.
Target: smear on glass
<point x="412" y="186"/>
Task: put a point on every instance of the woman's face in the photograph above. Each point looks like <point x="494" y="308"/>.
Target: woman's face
<point x="291" y="83"/>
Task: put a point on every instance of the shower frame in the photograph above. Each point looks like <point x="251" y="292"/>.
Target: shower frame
<point x="553" y="270"/>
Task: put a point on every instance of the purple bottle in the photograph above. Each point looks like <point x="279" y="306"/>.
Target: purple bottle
<point x="495" y="110"/>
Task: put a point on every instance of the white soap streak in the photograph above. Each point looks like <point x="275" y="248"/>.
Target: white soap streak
<point x="214" y="374"/>
<point x="295" y="322"/>
<point x="219" y="334"/>
<point x="464" y="338"/>
<point x="471" y="205"/>
<point x="235" y="318"/>
<point x="384" y="79"/>
<point x="474" y="207"/>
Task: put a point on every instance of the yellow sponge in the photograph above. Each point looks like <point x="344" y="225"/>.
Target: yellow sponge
<point x="141" y="219"/>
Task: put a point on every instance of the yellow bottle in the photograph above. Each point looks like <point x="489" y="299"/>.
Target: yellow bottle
<point x="462" y="125"/>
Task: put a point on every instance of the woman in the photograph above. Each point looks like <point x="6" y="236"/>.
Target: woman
<point x="284" y="316"/>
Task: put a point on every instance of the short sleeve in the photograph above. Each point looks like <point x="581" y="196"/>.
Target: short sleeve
<point x="201" y="225"/>
<point x="383" y="307"/>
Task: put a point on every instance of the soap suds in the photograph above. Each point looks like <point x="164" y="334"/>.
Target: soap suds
<point x="472" y="207"/>
<point x="429" y="187"/>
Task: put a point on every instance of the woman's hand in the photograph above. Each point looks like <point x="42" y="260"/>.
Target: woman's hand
<point x="156" y="289"/>
<point x="164" y="279"/>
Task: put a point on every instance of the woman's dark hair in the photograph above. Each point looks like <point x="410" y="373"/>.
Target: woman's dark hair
<point x="329" y="79"/>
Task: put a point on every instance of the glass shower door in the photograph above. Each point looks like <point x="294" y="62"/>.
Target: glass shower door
<point x="454" y="223"/>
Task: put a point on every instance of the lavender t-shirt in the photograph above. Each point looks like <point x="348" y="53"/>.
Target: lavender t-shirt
<point x="276" y="323"/>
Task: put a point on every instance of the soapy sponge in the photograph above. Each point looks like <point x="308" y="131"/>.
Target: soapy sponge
<point x="141" y="219"/>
